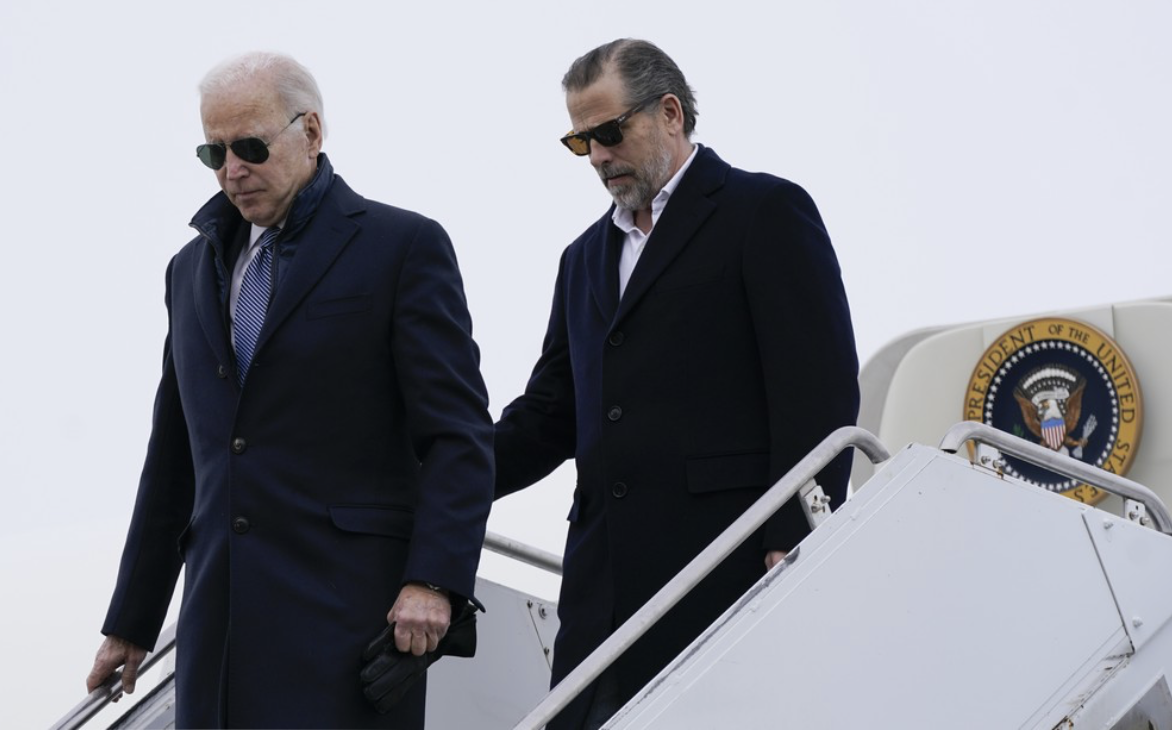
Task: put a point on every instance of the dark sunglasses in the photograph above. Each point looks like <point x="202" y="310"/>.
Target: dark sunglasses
<point x="250" y="149"/>
<point x="607" y="134"/>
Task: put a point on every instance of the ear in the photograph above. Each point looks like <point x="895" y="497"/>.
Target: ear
<point x="672" y="112"/>
<point x="313" y="133"/>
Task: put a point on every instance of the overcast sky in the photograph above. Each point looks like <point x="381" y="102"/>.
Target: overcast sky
<point x="972" y="160"/>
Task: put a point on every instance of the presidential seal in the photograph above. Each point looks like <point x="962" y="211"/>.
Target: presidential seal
<point x="1067" y="386"/>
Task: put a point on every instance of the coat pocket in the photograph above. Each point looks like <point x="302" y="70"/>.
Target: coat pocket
<point x="688" y="278"/>
<point x="338" y="306"/>
<point x="373" y="520"/>
<point x="728" y="471"/>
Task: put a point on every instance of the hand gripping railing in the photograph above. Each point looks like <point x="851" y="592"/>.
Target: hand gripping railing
<point x="1066" y="466"/>
<point x="687" y="579"/>
<point x="111" y="689"/>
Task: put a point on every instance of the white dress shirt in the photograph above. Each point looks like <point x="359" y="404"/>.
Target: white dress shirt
<point x="634" y="240"/>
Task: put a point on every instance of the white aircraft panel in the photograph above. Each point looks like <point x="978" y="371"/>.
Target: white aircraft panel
<point x="942" y="596"/>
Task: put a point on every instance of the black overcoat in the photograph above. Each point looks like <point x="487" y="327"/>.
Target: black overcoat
<point x="729" y="357"/>
<point x="356" y="456"/>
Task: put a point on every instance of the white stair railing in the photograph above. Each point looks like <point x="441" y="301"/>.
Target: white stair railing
<point x="798" y="478"/>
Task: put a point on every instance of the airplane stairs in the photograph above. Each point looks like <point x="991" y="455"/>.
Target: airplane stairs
<point x="943" y="594"/>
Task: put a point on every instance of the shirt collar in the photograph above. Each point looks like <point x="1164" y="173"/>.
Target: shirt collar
<point x="258" y="231"/>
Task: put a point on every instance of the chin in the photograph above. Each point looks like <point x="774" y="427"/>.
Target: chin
<point x="252" y="215"/>
<point x="622" y="198"/>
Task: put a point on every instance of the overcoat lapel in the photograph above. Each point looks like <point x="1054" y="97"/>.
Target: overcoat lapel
<point x="205" y="285"/>
<point x="687" y="209"/>
<point x="322" y="240"/>
<point x="603" y="267"/>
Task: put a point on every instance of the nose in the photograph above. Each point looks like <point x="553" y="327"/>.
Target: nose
<point x="598" y="154"/>
<point x="234" y="167"/>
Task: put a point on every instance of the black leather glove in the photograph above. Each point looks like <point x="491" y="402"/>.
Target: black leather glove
<point x="389" y="673"/>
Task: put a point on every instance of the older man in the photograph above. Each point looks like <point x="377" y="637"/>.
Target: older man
<point x="699" y="345"/>
<point x="320" y="459"/>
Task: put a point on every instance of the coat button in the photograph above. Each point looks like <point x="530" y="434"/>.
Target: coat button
<point x="616" y="338"/>
<point x="615" y="413"/>
<point x="221" y="371"/>
<point x="619" y="490"/>
<point x="240" y="525"/>
<point x="239" y="445"/>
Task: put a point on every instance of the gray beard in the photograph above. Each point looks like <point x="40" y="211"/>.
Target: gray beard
<point x="648" y="181"/>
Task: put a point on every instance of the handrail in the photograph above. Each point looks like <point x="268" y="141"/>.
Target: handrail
<point x="111" y="689"/>
<point x="523" y="553"/>
<point x="1061" y="464"/>
<point x="687" y="579"/>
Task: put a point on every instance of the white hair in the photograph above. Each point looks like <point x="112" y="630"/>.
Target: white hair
<point x="295" y="85"/>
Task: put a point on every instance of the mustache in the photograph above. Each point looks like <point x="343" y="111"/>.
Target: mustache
<point x="609" y="170"/>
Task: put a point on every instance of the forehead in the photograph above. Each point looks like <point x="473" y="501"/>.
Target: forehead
<point x="246" y="109"/>
<point x="599" y="102"/>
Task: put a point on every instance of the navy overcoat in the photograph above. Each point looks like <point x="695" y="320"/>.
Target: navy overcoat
<point x="357" y="456"/>
<point x="729" y="357"/>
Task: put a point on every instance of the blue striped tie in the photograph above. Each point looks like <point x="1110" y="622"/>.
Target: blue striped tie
<point x="256" y="288"/>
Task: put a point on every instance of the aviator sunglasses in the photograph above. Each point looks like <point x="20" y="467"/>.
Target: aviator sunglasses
<point x="607" y="134"/>
<point x="250" y="149"/>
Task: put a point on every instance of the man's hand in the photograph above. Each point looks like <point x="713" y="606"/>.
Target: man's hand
<point x="773" y="557"/>
<point x="421" y="617"/>
<point x="113" y="653"/>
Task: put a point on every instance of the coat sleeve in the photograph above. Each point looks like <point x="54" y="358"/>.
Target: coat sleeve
<point x="447" y="414"/>
<point x="150" y="559"/>
<point x="799" y="311"/>
<point x="536" y="432"/>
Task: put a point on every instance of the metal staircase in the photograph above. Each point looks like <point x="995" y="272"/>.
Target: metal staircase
<point x="943" y="594"/>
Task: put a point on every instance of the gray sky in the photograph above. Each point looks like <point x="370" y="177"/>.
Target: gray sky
<point x="972" y="160"/>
